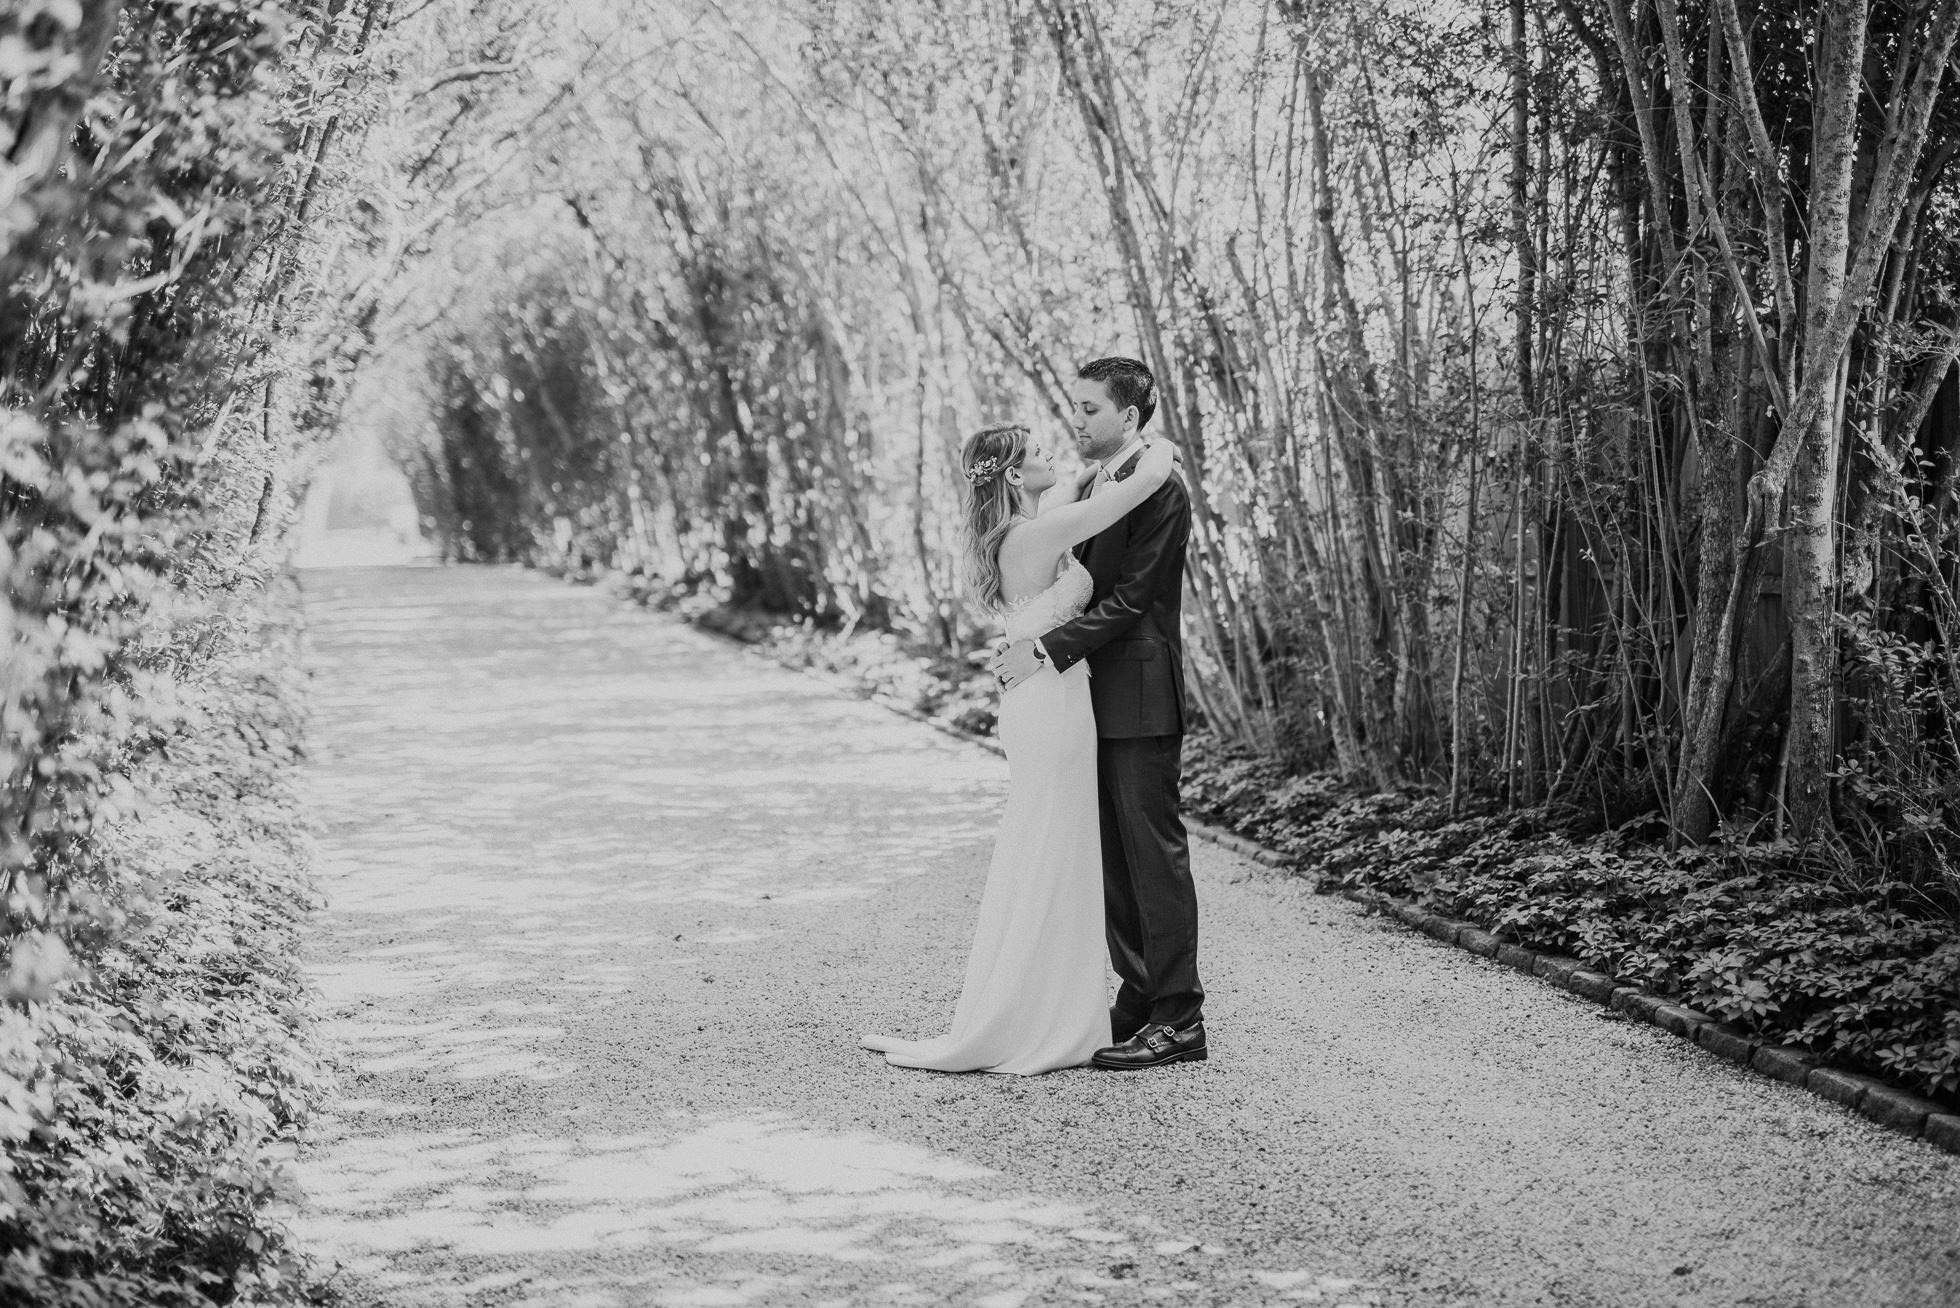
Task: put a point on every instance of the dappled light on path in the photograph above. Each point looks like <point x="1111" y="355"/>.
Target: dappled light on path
<point x="573" y="854"/>
<point x="777" y="1205"/>
<point x="611" y="901"/>
<point x="602" y="775"/>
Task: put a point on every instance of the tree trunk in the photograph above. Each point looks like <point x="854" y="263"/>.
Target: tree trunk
<point x="1810" y="548"/>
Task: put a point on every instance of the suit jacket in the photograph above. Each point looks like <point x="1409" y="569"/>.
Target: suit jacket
<point x="1132" y="631"/>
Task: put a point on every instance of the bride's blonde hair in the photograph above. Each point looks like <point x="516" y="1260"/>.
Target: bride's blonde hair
<point x="990" y="503"/>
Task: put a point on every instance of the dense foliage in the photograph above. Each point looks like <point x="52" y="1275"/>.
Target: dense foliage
<point x="168" y="351"/>
<point x="1568" y="385"/>
<point x="155" y="1093"/>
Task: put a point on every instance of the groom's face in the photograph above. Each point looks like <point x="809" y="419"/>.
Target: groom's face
<point x="1100" y="427"/>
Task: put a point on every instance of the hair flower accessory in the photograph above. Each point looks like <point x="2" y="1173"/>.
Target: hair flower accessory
<point x="983" y="470"/>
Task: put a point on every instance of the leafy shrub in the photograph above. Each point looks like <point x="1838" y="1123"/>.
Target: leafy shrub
<point x="153" y="1053"/>
<point x="146" y="1100"/>
<point x="1898" y="780"/>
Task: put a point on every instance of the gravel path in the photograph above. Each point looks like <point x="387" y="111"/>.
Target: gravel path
<point x="609" y="903"/>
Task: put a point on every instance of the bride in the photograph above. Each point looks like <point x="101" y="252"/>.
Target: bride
<point x="1035" y="997"/>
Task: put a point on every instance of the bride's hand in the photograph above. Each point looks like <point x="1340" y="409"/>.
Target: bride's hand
<point x="1085" y="477"/>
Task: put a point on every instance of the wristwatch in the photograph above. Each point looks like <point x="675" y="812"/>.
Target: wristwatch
<point x="1040" y="654"/>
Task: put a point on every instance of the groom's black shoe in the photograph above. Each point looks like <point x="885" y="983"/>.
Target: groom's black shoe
<point x="1122" y="1026"/>
<point x="1155" y="1046"/>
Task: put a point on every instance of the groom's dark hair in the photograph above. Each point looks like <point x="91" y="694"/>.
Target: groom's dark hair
<point x="1127" y="381"/>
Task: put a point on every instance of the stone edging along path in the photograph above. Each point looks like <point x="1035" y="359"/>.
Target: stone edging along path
<point x="1889" y="1106"/>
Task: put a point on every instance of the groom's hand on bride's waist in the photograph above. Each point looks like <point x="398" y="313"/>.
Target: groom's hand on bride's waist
<point x="1015" y="664"/>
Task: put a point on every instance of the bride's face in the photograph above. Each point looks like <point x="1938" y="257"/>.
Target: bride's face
<point x="1037" y="469"/>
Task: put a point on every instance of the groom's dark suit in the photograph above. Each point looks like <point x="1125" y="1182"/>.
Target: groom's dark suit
<point x="1132" y="639"/>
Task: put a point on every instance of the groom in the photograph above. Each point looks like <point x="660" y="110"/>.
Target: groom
<point x="1132" y="638"/>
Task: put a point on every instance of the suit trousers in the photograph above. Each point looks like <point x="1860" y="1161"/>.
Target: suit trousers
<point x="1149" y="901"/>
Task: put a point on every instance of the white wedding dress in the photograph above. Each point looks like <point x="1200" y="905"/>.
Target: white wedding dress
<point x="1036" y="997"/>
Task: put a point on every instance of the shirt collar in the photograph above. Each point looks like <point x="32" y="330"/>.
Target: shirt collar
<point x="1122" y="456"/>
